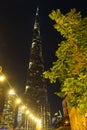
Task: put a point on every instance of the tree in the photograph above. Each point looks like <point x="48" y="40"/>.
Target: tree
<point x="70" y="68"/>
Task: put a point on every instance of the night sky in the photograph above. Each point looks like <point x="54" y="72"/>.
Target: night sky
<point x="16" y="24"/>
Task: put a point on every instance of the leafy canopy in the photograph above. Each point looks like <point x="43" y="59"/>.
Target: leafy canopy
<point x="71" y="64"/>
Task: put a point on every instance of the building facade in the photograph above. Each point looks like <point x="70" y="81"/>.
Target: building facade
<point x="8" y="114"/>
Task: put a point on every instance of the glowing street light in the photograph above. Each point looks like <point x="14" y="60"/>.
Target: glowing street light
<point x="18" y="101"/>
<point x="23" y="107"/>
<point x="30" y="115"/>
<point x="38" y="124"/>
<point x="27" y="112"/>
<point x="2" y="78"/>
<point x="12" y="92"/>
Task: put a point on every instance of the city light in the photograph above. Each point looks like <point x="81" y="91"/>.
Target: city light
<point x="38" y="125"/>
<point x="27" y="112"/>
<point x="12" y="92"/>
<point x="23" y="107"/>
<point x="2" y="78"/>
<point x="18" y="101"/>
<point x="31" y="116"/>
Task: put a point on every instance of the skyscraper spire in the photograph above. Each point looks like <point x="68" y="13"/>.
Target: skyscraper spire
<point x="36" y="91"/>
<point x="37" y="11"/>
<point x="36" y="29"/>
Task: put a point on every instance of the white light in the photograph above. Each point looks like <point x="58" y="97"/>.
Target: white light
<point x="23" y="107"/>
<point x="38" y="121"/>
<point x="12" y="92"/>
<point x="86" y="115"/>
<point x="27" y="112"/>
<point x="2" y="78"/>
<point x="31" y="115"/>
<point x="18" y="101"/>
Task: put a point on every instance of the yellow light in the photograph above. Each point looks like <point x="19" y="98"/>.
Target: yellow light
<point x="18" y="101"/>
<point x="23" y="107"/>
<point x="30" y="115"/>
<point x="12" y="92"/>
<point x="39" y="121"/>
<point x="66" y="122"/>
<point x="27" y="112"/>
<point x="39" y="125"/>
<point x="86" y="115"/>
<point x="2" y="78"/>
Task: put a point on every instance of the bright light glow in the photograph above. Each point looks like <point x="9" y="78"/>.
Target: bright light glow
<point x="2" y="78"/>
<point x="23" y="107"/>
<point x="86" y="115"/>
<point x="33" y="118"/>
<point x="12" y="92"/>
<point x="30" y="115"/>
<point x="66" y="122"/>
<point x="18" y="101"/>
<point x="38" y="121"/>
<point x="27" y="112"/>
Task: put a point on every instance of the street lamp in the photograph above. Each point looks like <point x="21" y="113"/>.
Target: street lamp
<point x="12" y="92"/>
<point x="2" y="78"/>
<point x="18" y="101"/>
<point x="10" y="103"/>
<point x="27" y="112"/>
<point x="38" y="124"/>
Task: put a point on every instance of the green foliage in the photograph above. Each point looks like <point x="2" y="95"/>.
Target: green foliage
<point x="71" y="64"/>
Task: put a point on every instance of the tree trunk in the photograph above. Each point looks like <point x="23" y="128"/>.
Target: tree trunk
<point x="77" y="121"/>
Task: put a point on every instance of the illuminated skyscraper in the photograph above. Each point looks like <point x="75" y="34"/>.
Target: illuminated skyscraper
<point x="36" y="88"/>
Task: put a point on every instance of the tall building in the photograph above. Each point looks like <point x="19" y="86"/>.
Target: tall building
<point x="8" y="114"/>
<point x="36" y="88"/>
<point x="2" y="98"/>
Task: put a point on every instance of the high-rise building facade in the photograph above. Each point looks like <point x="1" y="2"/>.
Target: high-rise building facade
<point x="36" y="88"/>
<point x="8" y="113"/>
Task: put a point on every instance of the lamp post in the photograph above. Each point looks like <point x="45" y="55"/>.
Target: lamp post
<point x="8" y="112"/>
<point x="2" y="90"/>
<point x="12" y="101"/>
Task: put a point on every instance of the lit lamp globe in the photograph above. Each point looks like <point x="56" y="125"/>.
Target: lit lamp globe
<point x="2" y="78"/>
<point x="27" y="112"/>
<point x="12" y="92"/>
<point x="18" y="101"/>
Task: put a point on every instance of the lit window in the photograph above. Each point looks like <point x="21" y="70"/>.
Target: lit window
<point x="30" y="64"/>
<point x="27" y="87"/>
<point x="33" y="44"/>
